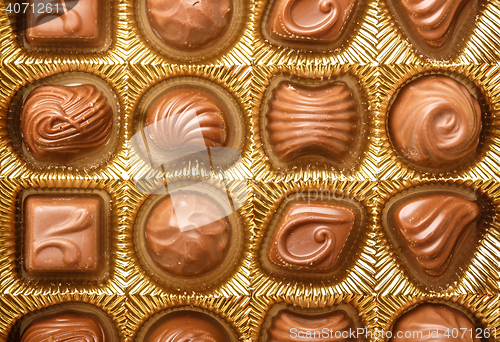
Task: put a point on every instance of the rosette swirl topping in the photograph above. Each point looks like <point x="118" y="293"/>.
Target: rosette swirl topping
<point x="63" y="124"/>
<point x="187" y="234"/>
<point x="65" y="327"/>
<point x="432" y="226"/>
<point x="435" y="123"/>
<point x="434" y="322"/>
<point x="186" y="117"/>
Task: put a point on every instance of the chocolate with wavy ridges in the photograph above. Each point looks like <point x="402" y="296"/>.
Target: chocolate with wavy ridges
<point x="311" y="235"/>
<point x="443" y="320"/>
<point x="64" y="124"/>
<point x="310" y="20"/>
<point x="432" y="225"/>
<point x="306" y="122"/>
<point x="435" y="123"/>
<point x="189" y="24"/>
<point x="186" y="117"/>
<point x="187" y="326"/>
<point x="334" y="322"/>
<point x="188" y="235"/>
<point x="65" y="327"/>
<point x="433" y="21"/>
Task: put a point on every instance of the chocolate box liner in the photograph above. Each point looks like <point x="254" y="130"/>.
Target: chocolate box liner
<point x="359" y="276"/>
<point x="11" y="51"/>
<point x="482" y="79"/>
<point x="364" y="168"/>
<point x="14" y="307"/>
<point x="234" y="310"/>
<point x="140" y="51"/>
<point x="482" y="42"/>
<point x="234" y="80"/>
<point x="480" y="276"/>
<point x="14" y="79"/>
<point x="314" y="302"/>
<point x="481" y="308"/>
<point x="11" y="280"/>
<point x="234" y="283"/>
<point x="359" y="47"/>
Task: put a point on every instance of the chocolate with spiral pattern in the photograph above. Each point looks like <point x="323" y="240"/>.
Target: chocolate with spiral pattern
<point x="447" y="324"/>
<point x="311" y="235"/>
<point x="310" y="20"/>
<point x="63" y="124"/>
<point x="65" y="327"/>
<point x="186" y="117"/>
<point x="435" y="123"/>
<point x="432" y="225"/>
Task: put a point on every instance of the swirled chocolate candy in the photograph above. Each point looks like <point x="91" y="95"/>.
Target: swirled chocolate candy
<point x="64" y="124"/>
<point x="186" y="117"/>
<point x="56" y="23"/>
<point x="311" y="235"/>
<point x="287" y="325"/>
<point x="310" y="20"/>
<point x="434" y="322"/>
<point x="187" y="234"/>
<point x="65" y="327"/>
<point x="188" y="24"/>
<point x="187" y="326"/>
<point x="432" y="226"/>
<point x="63" y="234"/>
<point x="308" y="122"/>
<point x="435" y="123"/>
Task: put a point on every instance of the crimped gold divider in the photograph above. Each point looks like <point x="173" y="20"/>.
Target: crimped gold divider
<point x="365" y="168"/>
<point x="481" y="276"/>
<point x="235" y="310"/>
<point x="10" y="280"/>
<point x="15" y="76"/>
<point x="485" y="77"/>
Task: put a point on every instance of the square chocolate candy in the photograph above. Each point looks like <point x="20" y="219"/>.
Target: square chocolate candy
<point x="75" y="24"/>
<point x="63" y="233"/>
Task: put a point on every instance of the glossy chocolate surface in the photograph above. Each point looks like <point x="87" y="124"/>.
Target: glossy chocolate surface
<point x="432" y="225"/>
<point x="63" y="124"/>
<point x="439" y="319"/>
<point x="65" y="327"/>
<point x="188" y="235"/>
<point x="63" y="234"/>
<point x="335" y="323"/>
<point x="186" y="117"/>
<point x="311" y="235"/>
<point x="307" y="122"/>
<point x="435" y="123"/>
<point x="186" y="326"/>
<point x="188" y="24"/>
<point x="77" y="27"/>
<point x="310" y="20"/>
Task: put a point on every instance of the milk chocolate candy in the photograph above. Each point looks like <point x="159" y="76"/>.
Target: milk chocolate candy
<point x="63" y="235"/>
<point x="435" y="123"/>
<point x="65" y="327"/>
<point x="435" y="232"/>
<point x="66" y="24"/>
<point x="440" y="320"/>
<point x="63" y="124"/>
<point x="191" y="24"/>
<point x="187" y="325"/>
<point x="313" y="123"/>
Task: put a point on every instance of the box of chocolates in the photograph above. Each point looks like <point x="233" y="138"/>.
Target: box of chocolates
<point x="249" y="170"/>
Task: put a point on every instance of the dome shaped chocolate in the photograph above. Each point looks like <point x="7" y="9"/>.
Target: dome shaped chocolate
<point x="186" y="117"/>
<point x="63" y="124"/>
<point x="188" y="24"/>
<point x="435" y="123"/>
<point x="187" y="235"/>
